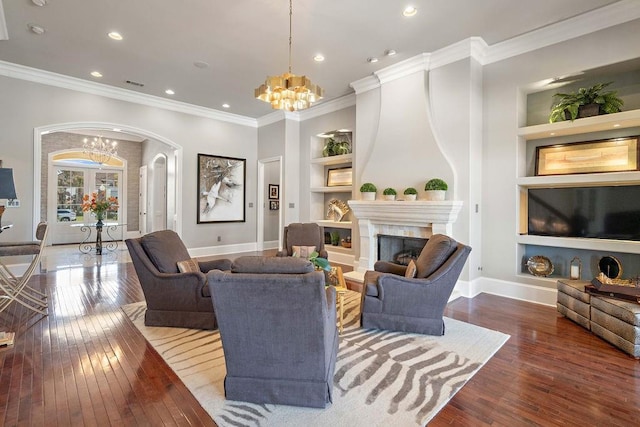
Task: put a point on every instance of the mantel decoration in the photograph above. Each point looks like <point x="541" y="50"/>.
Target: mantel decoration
<point x="435" y="189"/>
<point x="99" y="204"/>
<point x="99" y="150"/>
<point x="221" y="189"/>
<point x="585" y="102"/>
<point x="288" y="91"/>
<point x="368" y="191"/>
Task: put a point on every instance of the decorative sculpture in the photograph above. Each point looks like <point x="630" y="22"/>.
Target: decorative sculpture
<point x="337" y="209"/>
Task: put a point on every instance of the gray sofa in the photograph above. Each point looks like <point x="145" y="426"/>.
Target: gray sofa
<point x="394" y="302"/>
<point x="173" y="298"/>
<point x="277" y="323"/>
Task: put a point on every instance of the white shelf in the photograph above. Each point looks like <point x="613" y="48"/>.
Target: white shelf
<point x="338" y="249"/>
<point x="333" y="160"/>
<point x="334" y="224"/>
<point x="581" y="180"/>
<point x="337" y="189"/>
<point x="625" y="119"/>
<point x="624" y="246"/>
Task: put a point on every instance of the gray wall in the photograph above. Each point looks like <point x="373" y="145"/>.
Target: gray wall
<point x="25" y="105"/>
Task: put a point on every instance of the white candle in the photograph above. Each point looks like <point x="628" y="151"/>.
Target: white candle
<point x="575" y="272"/>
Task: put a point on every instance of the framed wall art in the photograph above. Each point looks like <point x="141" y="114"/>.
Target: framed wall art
<point x="339" y="177"/>
<point x="274" y="205"/>
<point x="611" y="155"/>
<point x="221" y="189"/>
<point x="274" y="191"/>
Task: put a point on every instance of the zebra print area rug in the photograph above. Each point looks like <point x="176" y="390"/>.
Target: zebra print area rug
<point x="381" y="379"/>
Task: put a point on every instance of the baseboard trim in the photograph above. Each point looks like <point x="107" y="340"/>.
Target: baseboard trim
<point x="223" y="249"/>
<point x="507" y="289"/>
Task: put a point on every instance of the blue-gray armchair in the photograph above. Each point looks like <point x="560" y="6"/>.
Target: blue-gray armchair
<point x="392" y="301"/>
<point x="277" y="323"/>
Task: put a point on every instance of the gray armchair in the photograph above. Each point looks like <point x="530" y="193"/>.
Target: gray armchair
<point x="278" y="329"/>
<point x="414" y="304"/>
<point x="302" y="234"/>
<point x="173" y="298"/>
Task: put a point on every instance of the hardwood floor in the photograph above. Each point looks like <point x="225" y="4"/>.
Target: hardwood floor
<point x="86" y="364"/>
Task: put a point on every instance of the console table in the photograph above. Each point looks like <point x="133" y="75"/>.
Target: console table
<point x="109" y="227"/>
<point x="613" y="320"/>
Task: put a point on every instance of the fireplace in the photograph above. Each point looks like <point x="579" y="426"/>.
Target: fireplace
<point x="419" y="219"/>
<point x="399" y="249"/>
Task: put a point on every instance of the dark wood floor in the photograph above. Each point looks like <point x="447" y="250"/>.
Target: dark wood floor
<point x="86" y="364"/>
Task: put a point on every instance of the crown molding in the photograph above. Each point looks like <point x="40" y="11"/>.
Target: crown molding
<point x="598" y="19"/>
<point x="271" y="118"/>
<point x="365" y="84"/>
<point x="473" y="47"/>
<point x="4" y="32"/>
<point x="404" y="68"/>
<point x="58" y="80"/>
<point x="327" y="107"/>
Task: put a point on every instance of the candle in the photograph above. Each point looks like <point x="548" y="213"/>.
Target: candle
<point x="575" y="272"/>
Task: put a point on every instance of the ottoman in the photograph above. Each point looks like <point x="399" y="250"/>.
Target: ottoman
<point x="617" y="322"/>
<point x="573" y="302"/>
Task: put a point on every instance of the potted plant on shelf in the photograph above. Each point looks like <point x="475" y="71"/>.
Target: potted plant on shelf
<point x="435" y="189"/>
<point x="389" y="193"/>
<point x="585" y="102"/>
<point x="410" y="193"/>
<point x="335" y="238"/>
<point x="368" y="191"/>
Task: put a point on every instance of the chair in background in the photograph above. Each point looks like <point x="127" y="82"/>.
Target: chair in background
<point x="393" y="301"/>
<point x="14" y="288"/>
<point x="278" y="328"/>
<point x="303" y="236"/>
<point x="174" y="284"/>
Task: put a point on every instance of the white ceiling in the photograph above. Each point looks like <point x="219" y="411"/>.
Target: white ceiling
<point x="243" y="40"/>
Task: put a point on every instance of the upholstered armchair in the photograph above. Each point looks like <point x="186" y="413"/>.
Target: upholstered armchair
<point x="393" y="301"/>
<point x="304" y="236"/>
<point x="277" y="323"/>
<point x="174" y="285"/>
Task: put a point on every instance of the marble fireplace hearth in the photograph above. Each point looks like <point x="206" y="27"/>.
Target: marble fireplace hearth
<point x="419" y="218"/>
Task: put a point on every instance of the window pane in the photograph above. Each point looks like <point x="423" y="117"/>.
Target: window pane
<point x="70" y="190"/>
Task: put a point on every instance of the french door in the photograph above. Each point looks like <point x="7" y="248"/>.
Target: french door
<point x="67" y="186"/>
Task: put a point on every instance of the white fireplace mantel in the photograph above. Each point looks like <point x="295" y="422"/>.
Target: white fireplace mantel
<point x="420" y="218"/>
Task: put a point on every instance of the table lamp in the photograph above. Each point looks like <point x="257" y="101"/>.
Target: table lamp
<point x="7" y="188"/>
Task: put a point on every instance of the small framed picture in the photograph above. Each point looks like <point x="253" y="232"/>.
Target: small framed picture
<point x="339" y="177"/>
<point x="274" y="205"/>
<point x="274" y="191"/>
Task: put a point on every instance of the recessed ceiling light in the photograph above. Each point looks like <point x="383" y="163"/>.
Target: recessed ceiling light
<point x="36" y="29"/>
<point x="318" y="57"/>
<point x="409" y="11"/>
<point x="226" y="105"/>
<point x="372" y="59"/>
<point x="201" y="64"/>
<point x="117" y="129"/>
<point x="390" y="52"/>
<point x="39" y="2"/>
<point x="169" y="92"/>
<point x="115" y="35"/>
<point x="617" y="125"/>
<point x="96" y="74"/>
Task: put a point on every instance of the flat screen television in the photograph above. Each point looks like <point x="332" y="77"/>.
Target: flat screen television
<point x="611" y="212"/>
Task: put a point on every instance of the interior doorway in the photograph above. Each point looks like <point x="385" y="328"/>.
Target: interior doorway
<point x="158" y="200"/>
<point x="270" y="208"/>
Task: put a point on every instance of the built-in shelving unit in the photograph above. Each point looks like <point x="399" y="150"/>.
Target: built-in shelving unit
<point x="563" y="248"/>
<point x="322" y="193"/>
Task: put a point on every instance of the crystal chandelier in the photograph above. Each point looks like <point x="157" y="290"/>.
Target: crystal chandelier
<point x="288" y="91"/>
<point x="99" y="150"/>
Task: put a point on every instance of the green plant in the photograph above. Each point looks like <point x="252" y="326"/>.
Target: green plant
<point x="568" y="104"/>
<point x="319" y="262"/>
<point x="436" y="184"/>
<point x="389" y="192"/>
<point x="368" y="187"/>
<point x="410" y="190"/>
<point x="335" y="238"/>
<point x="335" y="148"/>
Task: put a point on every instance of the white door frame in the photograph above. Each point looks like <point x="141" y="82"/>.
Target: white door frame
<point x="61" y="127"/>
<point x="261" y="201"/>
<point x="142" y="199"/>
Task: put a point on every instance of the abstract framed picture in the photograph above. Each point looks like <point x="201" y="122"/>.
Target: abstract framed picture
<point x="274" y="191"/>
<point x="221" y="189"/>
<point x="611" y="155"/>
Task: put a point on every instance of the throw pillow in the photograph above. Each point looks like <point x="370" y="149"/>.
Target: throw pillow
<point x="188" y="266"/>
<point x="411" y="270"/>
<point x="303" y="251"/>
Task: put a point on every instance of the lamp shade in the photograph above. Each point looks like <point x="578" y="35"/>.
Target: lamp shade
<point x="7" y="188"/>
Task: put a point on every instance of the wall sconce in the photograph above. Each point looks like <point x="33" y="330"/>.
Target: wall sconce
<point x="575" y="268"/>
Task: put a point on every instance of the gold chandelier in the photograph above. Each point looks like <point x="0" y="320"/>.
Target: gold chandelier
<point x="99" y="150"/>
<point x="288" y="91"/>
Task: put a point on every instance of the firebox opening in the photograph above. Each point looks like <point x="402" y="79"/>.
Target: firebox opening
<point x="399" y="249"/>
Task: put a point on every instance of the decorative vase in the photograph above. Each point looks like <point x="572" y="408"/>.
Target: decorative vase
<point x="389" y="196"/>
<point x="435" y="195"/>
<point x="410" y="197"/>
<point x="368" y="195"/>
